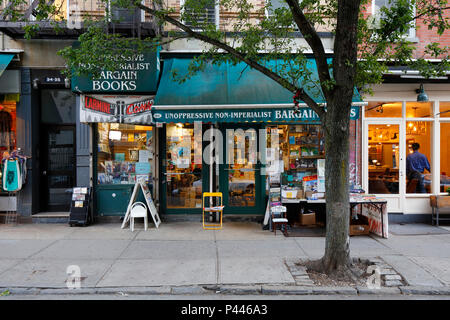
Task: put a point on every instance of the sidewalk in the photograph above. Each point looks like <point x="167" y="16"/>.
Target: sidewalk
<point x="182" y="258"/>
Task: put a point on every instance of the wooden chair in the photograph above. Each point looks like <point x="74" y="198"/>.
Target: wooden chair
<point x="436" y="203"/>
<point x="378" y="186"/>
<point x="412" y="186"/>
<point x="278" y="214"/>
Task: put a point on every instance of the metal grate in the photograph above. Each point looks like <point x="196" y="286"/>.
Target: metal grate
<point x="11" y="216"/>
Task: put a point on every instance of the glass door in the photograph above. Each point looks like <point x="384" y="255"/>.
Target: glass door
<point x="184" y="174"/>
<point x="384" y="162"/>
<point x="58" y="167"/>
<point x="240" y="178"/>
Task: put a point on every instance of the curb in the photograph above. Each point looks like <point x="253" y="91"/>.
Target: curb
<point x="424" y="290"/>
<point x="233" y="290"/>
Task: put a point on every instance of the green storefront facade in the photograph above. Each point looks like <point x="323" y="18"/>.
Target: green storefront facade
<point x="187" y="119"/>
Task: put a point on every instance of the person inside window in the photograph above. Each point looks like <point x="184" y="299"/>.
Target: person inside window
<point x="416" y="163"/>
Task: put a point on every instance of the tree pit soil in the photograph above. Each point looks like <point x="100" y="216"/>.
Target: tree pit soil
<point x="358" y="276"/>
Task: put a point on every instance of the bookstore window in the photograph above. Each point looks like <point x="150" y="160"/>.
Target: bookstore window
<point x="301" y="159"/>
<point x="183" y="167"/>
<point x="241" y="167"/>
<point x="124" y="153"/>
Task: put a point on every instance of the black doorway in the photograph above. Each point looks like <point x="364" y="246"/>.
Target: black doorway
<point x="58" y="165"/>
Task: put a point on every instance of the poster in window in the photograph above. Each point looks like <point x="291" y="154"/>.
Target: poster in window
<point x="134" y="155"/>
<point x="109" y="166"/>
<point x="142" y="168"/>
<point x="119" y="157"/>
<point x="143" y="155"/>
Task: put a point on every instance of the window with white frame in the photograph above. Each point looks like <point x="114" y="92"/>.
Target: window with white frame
<point x="273" y="5"/>
<point x="378" y="4"/>
<point x="209" y="14"/>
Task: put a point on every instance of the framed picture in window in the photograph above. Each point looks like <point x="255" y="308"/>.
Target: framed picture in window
<point x="134" y="155"/>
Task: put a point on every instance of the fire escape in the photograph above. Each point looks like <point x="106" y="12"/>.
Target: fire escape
<point x="72" y="20"/>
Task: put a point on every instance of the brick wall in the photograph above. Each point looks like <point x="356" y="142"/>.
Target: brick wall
<point x="423" y="35"/>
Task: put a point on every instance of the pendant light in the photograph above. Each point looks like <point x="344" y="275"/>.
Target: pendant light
<point x="422" y="96"/>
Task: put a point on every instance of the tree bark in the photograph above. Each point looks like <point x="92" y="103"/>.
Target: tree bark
<point x="336" y="127"/>
<point x="337" y="251"/>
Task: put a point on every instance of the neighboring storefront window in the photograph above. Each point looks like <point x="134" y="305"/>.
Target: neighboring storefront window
<point x="383" y="110"/>
<point x="183" y="170"/>
<point x="124" y="153"/>
<point x="445" y="157"/>
<point x="418" y="134"/>
<point x="7" y="130"/>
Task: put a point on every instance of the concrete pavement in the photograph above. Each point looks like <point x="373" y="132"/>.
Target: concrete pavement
<point x="182" y="258"/>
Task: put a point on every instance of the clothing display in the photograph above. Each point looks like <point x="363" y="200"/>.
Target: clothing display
<point x="12" y="180"/>
<point x="14" y="171"/>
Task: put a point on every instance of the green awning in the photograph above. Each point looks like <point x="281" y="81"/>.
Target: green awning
<point x="227" y="93"/>
<point x="5" y="59"/>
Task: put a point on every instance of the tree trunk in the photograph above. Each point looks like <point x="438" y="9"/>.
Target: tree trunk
<point x="337" y="251"/>
<point x="336" y="124"/>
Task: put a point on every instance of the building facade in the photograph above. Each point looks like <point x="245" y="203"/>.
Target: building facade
<point x="111" y="132"/>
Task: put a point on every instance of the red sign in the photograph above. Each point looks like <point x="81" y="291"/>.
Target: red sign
<point x="139" y="107"/>
<point x="97" y="105"/>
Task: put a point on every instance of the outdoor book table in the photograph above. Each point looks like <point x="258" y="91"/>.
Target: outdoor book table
<point x="374" y="208"/>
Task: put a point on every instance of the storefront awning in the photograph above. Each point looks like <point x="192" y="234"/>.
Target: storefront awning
<point x="5" y="59"/>
<point x="228" y="93"/>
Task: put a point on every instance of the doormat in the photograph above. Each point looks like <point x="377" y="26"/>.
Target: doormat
<point x="413" y="229"/>
<point x="313" y="231"/>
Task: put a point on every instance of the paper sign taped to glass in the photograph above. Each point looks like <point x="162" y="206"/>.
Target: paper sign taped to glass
<point x="116" y="109"/>
<point x="142" y="168"/>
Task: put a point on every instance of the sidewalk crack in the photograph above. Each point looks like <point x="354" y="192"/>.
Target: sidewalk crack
<point x="117" y="258"/>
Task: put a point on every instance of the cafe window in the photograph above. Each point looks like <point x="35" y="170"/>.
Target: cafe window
<point x="124" y="153"/>
<point x="444" y="109"/>
<point x="445" y="157"/>
<point x="183" y="166"/>
<point x="419" y="110"/>
<point x="384" y="159"/>
<point x="383" y="110"/>
<point x="418" y="177"/>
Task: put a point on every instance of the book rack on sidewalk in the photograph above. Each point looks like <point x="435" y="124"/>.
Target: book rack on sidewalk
<point x="79" y="207"/>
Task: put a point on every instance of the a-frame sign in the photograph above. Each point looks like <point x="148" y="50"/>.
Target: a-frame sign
<point x="150" y="205"/>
